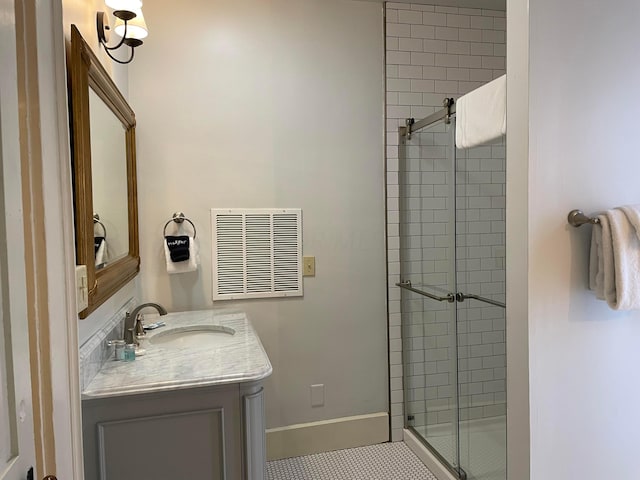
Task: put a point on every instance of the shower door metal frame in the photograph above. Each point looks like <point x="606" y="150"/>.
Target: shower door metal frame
<point x="445" y="114"/>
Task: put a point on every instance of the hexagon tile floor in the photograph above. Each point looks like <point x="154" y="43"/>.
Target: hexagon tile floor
<point x="386" y="461"/>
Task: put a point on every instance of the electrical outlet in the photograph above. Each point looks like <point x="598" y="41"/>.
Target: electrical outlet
<point x="82" y="290"/>
<point x="308" y="266"/>
<point x="317" y="395"/>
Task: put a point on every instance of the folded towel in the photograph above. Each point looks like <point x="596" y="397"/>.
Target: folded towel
<point x="615" y="264"/>
<point x="596" y="267"/>
<point x="100" y="250"/>
<point x="178" y="247"/>
<point x="633" y="214"/>
<point x="481" y="115"/>
<point x="184" y="266"/>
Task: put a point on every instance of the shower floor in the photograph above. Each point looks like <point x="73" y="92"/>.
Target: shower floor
<point x="482" y="446"/>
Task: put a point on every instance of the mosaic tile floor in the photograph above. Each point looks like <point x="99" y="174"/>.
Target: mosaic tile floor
<point x="386" y="461"/>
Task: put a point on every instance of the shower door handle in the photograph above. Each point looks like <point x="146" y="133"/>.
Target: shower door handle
<point x="461" y="297"/>
<point x="450" y="297"/>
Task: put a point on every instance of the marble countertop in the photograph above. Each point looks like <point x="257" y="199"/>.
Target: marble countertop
<point x="168" y="368"/>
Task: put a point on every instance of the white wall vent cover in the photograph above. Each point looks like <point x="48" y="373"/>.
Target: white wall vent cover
<point x="257" y="253"/>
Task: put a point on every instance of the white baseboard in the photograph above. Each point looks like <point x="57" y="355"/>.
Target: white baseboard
<point x="328" y="435"/>
<point x="429" y="459"/>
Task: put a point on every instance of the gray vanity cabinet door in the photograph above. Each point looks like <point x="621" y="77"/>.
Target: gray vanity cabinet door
<point x="174" y="435"/>
<point x="182" y="445"/>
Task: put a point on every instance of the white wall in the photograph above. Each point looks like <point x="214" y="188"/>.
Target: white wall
<point x="584" y="358"/>
<point x="274" y="104"/>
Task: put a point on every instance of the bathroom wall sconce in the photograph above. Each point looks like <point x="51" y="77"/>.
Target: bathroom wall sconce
<point x="130" y="26"/>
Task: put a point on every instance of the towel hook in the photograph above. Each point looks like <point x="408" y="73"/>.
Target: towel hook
<point x="179" y="217"/>
<point x="96" y="220"/>
<point x="577" y="218"/>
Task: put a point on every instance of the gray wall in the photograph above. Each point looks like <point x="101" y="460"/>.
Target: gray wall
<point x="274" y="104"/>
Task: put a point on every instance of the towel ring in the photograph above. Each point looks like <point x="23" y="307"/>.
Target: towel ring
<point x="179" y="218"/>
<point x="96" y="219"/>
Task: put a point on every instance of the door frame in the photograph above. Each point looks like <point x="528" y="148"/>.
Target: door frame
<point x="49" y="238"/>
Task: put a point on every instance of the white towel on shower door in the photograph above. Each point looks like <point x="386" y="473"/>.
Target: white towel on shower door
<point x="481" y="115"/>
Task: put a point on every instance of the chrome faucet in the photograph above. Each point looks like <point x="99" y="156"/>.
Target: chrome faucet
<point x="131" y="317"/>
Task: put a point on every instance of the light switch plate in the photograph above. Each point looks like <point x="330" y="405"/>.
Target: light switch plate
<point x="308" y="266"/>
<point x="82" y="290"/>
<point x="317" y="395"/>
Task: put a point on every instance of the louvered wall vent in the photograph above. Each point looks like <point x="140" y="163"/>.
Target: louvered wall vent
<point x="257" y="253"/>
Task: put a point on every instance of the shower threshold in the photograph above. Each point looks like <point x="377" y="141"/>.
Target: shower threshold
<point x="485" y="461"/>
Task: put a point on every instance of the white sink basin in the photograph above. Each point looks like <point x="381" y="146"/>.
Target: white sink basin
<point x="194" y="336"/>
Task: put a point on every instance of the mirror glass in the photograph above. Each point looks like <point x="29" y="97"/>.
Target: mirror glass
<point x="109" y="183"/>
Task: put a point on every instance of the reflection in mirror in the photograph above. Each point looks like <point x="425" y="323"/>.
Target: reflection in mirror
<point x="109" y="183"/>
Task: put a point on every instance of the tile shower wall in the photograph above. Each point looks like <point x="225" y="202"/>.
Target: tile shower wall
<point x="435" y="52"/>
<point x="480" y="242"/>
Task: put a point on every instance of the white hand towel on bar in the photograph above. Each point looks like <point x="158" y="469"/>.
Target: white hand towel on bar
<point x="633" y="215"/>
<point x="101" y="253"/>
<point x="186" y="266"/>
<point x="596" y="258"/>
<point x="481" y="115"/>
<point x="615" y="266"/>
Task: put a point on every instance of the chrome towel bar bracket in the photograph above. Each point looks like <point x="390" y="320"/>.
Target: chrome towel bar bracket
<point x="577" y="218"/>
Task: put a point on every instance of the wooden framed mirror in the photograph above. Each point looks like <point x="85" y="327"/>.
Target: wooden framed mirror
<point x="104" y="166"/>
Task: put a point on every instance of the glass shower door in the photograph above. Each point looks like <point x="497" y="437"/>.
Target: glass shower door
<point x="452" y="248"/>
<point x="480" y="281"/>
<point x="427" y="256"/>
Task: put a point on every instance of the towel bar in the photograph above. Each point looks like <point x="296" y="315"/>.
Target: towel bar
<point x="577" y="218"/>
<point x="178" y="218"/>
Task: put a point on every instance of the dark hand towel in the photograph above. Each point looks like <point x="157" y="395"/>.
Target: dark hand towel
<point x="178" y="247"/>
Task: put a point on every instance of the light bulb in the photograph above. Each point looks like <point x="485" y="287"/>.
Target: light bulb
<point x="129" y="5"/>
<point x="136" y="27"/>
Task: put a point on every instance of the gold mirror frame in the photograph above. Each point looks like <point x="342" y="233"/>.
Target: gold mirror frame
<point x="86" y="72"/>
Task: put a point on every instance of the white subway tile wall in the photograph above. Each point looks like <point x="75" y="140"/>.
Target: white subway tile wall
<point x="480" y="243"/>
<point x="435" y="52"/>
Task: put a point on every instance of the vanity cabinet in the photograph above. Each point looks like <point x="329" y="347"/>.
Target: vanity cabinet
<point x="215" y="432"/>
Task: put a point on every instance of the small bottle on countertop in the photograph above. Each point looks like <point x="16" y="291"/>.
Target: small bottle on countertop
<point x="129" y="352"/>
<point x="119" y="346"/>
